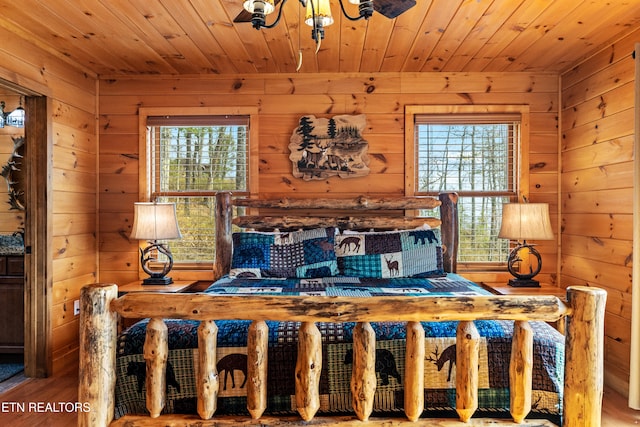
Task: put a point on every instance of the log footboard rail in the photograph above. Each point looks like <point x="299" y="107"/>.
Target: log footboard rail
<point x="100" y="308"/>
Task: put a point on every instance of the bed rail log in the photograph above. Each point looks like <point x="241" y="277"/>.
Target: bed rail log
<point x="361" y="203"/>
<point x="100" y="307"/>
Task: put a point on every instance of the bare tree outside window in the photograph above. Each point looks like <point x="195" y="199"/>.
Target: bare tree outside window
<point x="190" y="163"/>
<point x="477" y="160"/>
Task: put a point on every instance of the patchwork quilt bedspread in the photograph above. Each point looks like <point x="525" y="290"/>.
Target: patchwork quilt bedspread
<point x="337" y="355"/>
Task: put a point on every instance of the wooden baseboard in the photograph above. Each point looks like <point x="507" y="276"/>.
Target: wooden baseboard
<point x="616" y="383"/>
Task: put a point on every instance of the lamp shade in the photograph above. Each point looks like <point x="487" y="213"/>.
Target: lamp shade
<point x="259" y="6"/>
<point x="322" y="9"/>
<point x="523" y="221"/>
<point x="155" y="221"/>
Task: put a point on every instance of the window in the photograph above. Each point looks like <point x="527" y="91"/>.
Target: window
<point x="188" y="159"/>
<point x="475" y="154"/>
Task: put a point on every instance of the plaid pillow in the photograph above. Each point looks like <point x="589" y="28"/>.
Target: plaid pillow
<point x="301" y="254"/>
<point x="407" y="253"/>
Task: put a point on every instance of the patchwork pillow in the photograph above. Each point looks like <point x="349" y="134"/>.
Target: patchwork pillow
<point x="300" y="254"/>
<point x="407" y="253"/>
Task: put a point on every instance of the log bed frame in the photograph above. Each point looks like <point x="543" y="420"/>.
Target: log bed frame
<point x="100" y="308"/>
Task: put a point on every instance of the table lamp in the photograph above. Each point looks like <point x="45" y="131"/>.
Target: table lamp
<point x="523" y="221"/>
<point x="152" y="222"/>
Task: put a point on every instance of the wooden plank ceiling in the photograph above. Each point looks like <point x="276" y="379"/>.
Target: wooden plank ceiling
<point x="133" y="37"/>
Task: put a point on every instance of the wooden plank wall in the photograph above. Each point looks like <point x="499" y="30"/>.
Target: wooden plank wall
<point x="73" y="249"/>
<point x="74" y="246"/>
<point x="282" y="100"/>
<point x="597" y="190"/>
<point x="11" y="220"/>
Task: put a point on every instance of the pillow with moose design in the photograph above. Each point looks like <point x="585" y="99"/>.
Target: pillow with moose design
<point x="298" y="254"/>
<point x="407" y="253"/>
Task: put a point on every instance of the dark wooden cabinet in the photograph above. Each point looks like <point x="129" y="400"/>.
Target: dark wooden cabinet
<point x="12" y="303"/>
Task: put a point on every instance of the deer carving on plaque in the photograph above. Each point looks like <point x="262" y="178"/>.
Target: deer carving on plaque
<point x="321" y="148"/>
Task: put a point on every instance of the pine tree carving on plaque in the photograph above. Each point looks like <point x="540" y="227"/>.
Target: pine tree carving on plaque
<point x="321" y="148"/>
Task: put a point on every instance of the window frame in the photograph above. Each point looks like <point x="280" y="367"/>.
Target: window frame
<point x="521" y="147"/>
<point x="200" y="270"/>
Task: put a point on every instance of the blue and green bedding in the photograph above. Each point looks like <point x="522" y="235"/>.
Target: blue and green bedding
<point x="336" y="372"/>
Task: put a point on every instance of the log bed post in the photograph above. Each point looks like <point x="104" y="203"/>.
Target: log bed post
<point x="224" y="213"/>
<point x="449" y="229"/>
<point x="98" y="337"/>
<point x="584" y="357"/>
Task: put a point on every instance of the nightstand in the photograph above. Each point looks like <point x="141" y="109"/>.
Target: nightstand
<point x="503" y="288"/>
<point x="174" y="288"/>
<point x="178" y="286"/>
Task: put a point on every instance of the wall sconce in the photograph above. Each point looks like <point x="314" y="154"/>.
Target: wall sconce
<point x="522" y="221"/>
<point x="14" y="118"/>
<point x="152" y="222"/>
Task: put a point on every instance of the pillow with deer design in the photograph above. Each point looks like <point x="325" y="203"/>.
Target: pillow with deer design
<point x="299" y="254"/>
<point x="407" y="253"/>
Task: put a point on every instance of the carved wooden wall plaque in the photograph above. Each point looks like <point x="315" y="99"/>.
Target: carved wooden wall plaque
<point x="322" y="148"/>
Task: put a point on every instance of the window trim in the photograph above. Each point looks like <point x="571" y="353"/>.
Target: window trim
<point x="191" y="271"/>
<point x="522" y="168"/>
<point x="144" y="184"/>
<point x="411" y="111"/>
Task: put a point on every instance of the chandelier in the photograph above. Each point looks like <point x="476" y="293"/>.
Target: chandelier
<point x="317" y="16"/>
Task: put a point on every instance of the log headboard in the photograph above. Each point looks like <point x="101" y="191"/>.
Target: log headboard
<point x="361" y="213"/>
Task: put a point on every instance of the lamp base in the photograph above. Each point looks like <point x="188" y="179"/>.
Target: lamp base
<point x="156" y="277"/>
<point x="524" y="283"/>
<point x="157" y="281"/>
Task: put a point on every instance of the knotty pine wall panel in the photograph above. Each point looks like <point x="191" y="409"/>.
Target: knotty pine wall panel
<point x="73" y="259"/>
<point x="597" y="190"/>
<point x="74" y="184"/>
<point x="11" y="220"/>
<point x="616" y="74"/>
<point x="281" y="101"/>
<point x="614" y="101"/>
<point x="614" y="175"/>
<point x="617" y="150"/>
